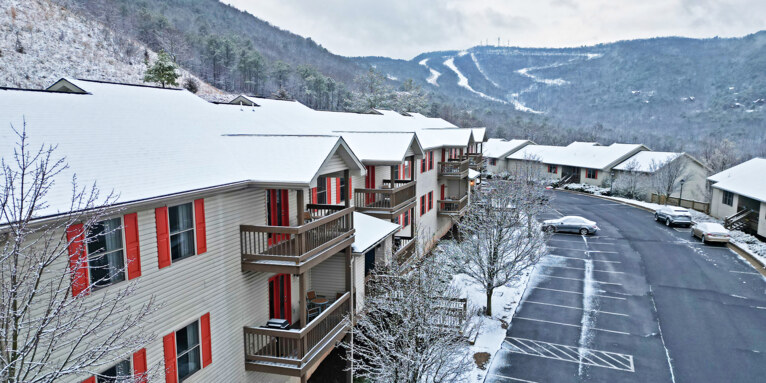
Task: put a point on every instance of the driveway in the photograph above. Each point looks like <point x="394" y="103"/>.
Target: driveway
<point x="638" y="302"/>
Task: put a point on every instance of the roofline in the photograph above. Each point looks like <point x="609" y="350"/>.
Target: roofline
<point x="717" y="186"/>
<point x="128" y="84"/>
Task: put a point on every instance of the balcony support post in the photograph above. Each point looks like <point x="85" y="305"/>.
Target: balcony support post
<point x="349" y="192"/>
<point x="302" y="299"/>
<point x="301" y="207"/>
<point x="412" y="167"/>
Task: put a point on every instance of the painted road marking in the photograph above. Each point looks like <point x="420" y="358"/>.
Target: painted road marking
<point x="582" y="259"/>
<point x="577" y="308"/>
<point x="511" y="378"/>
<point x="576" y="279"/>
<point x="744" y="272"/>
<point x="579" y="355"/>
<point x="571" y="325"/>
<point x="575" y="292"/>
<point x="682" y="229"/>
<point x="580" y="268"/>
<point x="583" y="250"/>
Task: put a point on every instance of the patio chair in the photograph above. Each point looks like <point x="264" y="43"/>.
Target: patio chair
<point x="313" y="313"/>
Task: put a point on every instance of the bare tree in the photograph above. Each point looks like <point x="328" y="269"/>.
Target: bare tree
<point x="630" y="181"/>
<point x="410" y="330"/>
<point x="666" y="175"/>
<point x="719" y="155"/>
<point x="499" y="237"/>
<point x="52" y="325"/>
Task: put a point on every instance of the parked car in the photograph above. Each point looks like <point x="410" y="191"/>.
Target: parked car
<point x="673" y="215"/>
<point x="572" y="224"/>
<point x="710" y="232"/>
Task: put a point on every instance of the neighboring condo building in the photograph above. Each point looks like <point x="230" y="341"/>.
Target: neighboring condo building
<point x="739" y="196"/>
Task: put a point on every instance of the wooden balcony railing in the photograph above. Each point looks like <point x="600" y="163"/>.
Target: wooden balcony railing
<point x="454" y="168"/>
<point x="296" y="347"/>
<point x="404" y="249"/>
<point x="386" y="198"/>
<point x="330" y="226"/>
<point x="453" y="206"/>
<point x="475" y="160"/>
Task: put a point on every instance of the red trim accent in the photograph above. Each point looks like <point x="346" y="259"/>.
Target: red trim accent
<point x="443" y="158"/>
<point x="314" y="195"/>
<point x="338" y="194"/>
<point x="139" y="366"/>
<point x="169" y="344"/>
<point x="279" y="304"/>
<point x="350" y="189"/>
<point x="132" y="247"/>
<point x="92" y="379"/>
<point x="278" y="213"/>
<point x="329" y="191"/>
<point x="78" y="260"/>
<point x="199" y="225"/>
<point x="207" y="350"/>
<point x="163" y="236"/>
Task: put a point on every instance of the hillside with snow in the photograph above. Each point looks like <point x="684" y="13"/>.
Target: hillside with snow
<point x="41" y="42"/>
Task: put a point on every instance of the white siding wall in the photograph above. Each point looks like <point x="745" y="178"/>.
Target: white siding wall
<point x="718" y="209"/>
<point x="601" y="175"/>
<point x="500" y="167"/>
<point x="327" y="278"/>
<point x="429" y="224"/>
<point x="762" y="220"/>
<point x="358" y="273"/>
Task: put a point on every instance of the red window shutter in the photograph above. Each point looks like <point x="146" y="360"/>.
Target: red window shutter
<point x="163" y="236"/>
<point x="199" y="225"/>
<point x="169" y="343"/>
<point x="92" y="379"/>
<point x="285" y="208"/>
<point x="132" y="248"/>
<point x="350" y="189"/>
<point x="207" y="350"/>
<point x="595" y="174"/>
<point x="338" y="194"/>
<point x="78" y="260"/>
<point x="139" y="366"/>
<point x="314" y="195"/>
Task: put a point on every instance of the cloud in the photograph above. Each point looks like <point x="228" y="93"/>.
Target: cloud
<point x="406" y="28"/>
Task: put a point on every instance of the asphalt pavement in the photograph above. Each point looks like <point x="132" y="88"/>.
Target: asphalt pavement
<point x="637" y="302"/>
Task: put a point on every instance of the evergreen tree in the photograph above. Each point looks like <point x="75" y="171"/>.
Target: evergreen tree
<point x="162" y="71"/>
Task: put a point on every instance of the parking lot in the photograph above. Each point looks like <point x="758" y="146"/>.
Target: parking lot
<point x="638" y="302"/>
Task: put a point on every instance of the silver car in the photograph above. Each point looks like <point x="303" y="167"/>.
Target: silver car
<point x="672" y="215"/>
<point x="571" y="224"/>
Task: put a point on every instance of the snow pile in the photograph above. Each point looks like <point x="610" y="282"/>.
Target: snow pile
<point x="585" y="188"/>
<point x="40" y="42"/>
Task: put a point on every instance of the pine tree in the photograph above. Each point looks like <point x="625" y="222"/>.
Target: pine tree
<point x="162" y="71"/>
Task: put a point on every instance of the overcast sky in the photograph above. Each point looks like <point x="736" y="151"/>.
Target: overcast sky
<point x="405" y="28"/>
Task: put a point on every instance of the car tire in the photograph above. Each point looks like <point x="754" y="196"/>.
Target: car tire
<point x="550" y="229"/>
<point x="656" y="217"/>
<point x="667" y="222"/>
<point x="583" y="231"/>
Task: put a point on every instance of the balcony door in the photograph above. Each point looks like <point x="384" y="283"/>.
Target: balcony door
<point x="369" y="183"/>
<point x="278" y="213"/>
<point x="280" y="306"/>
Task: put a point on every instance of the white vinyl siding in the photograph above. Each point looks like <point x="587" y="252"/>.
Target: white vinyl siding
<point x="327" y="278"/>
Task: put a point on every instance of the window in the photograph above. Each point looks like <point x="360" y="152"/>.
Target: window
<point x="406" y="219"/>
<point x="106" y="262"/>
<point x="591" y="173"/>
<point x="407" y="167"/>
<point x="423" y="167"/>
<point x="395" y="175"/>
<point x="343" y="195"/>
<point x="431" y="160"/>
<point x="493" y="161"/>
<point x="397" y="220"/>
<point x="553" y="169"/>
<point x="728" y="198"/>
<point x="181" y="220"/>
<point x="321" y="190"/>
<point x="422" y="205"/>
<point x="120" y="372"/>
<point x="188" y="350"/>
<point x="430" y="200"/>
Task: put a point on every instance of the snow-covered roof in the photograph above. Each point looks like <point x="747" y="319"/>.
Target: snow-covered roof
<point x="642" y="161"/>
<point x="579" y="154"/>
<point x="434" y="138"/>
<point x="745" y="179"/>
<point x="380" y="148"/>
<point x="370" y="231"/>
<point x="473" y="174"/>
<point x="161" y="142"/>
<point x="497" y="148"/>
<point x="479" y="134"/>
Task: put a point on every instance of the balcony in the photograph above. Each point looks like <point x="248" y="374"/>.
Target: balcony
<point x="295" y="352"/>
<point x="454" y="169"/>
<point x="386" y="202"/>
<point x="295" y="249"/>
<point x="475" y="161"/>
<point x="404" y="249"/>
<point x="453" y="207"/>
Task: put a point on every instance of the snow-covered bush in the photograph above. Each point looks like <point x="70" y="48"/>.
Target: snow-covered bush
<point x="585" y="188"/>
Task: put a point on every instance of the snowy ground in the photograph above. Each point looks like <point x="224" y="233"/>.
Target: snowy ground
<point x="491" y="330"/>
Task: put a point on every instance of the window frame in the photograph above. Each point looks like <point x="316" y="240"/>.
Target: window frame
<point x="555" y="169"/>
<point x="430" y="200"/>
<point x="423" y="205"/>
<point x="493" y="161"/>
<point x="727" y="198"/>
<point x="187" y="351"/>
<point x="88" y="254"/>
<point x="101" y="378"/>
<point x="431" y="160"/>
<point x="343" y="192"/>
<point x="193" y="230"/>
<point x="321" y="190"/>
<point x="588" y="173"/>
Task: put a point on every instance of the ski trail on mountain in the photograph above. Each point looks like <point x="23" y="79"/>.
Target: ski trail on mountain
<point x="481" y="70"/>
<point x="432" y="79"/>
<point x="462" y="81"/>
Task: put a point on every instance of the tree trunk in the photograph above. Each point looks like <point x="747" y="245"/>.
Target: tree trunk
<point x="488" y="311"/>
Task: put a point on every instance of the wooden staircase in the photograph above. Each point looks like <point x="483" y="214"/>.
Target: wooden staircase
<point x="741" y="220"/>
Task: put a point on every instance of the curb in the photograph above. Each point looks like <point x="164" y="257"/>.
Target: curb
<point x="757" y="264"/>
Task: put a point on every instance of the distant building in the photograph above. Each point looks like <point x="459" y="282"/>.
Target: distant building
<point x="645" y="164"/>
<point x="739" y="196"/>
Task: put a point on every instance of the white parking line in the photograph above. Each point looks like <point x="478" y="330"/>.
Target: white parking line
<point x="580" y="268"/>
<point x="583" y="250"/>
<point x="511" y="379"/>
<point x="744" y="272"/>
<point x="579" y="293"/>
<point x="577" y="308"/>
<point x="582" y="259"/>
<point x="572" y="325"/>
<point x="579" y="355"/>
<point x="576" y="279"/>
<point x="682" y="229"/>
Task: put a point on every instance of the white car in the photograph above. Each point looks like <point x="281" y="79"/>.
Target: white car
<point x="710" y="232"/>
<point x="673" y="215"/>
